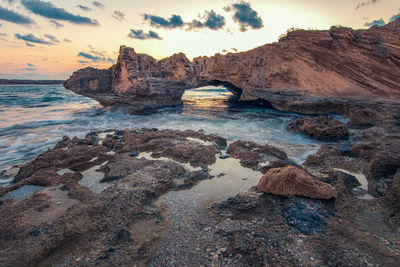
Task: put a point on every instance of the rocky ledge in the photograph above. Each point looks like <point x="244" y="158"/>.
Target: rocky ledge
<point x="306" y="71"/>
<point x="344" y="209"/>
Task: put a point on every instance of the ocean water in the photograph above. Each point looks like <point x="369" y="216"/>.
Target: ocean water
<point x="34" y="118"/>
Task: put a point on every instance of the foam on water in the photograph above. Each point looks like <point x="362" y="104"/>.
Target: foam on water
<point x="34" y="118"/>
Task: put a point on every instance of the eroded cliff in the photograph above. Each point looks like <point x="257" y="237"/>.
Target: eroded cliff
<point x="304" y="70"/>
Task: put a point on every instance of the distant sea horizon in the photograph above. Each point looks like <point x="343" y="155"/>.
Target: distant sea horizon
<point x="30" y="82"/>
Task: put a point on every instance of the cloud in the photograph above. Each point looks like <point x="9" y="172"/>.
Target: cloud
<point x="67" y="40"/>
<point x="30" y="38"/>
<point x="3" y="34"/>
<point x="55" y="24"/>
<point x="141" y="35"/>
<point x="48" y="10"/>
<point x="30" y="64"/>
<point x="84" y="8"/>
<point x="393" y="18"/>
<point x="245" y="16"/>
<point x="14" y="17"/>
<point x="377" y="22"/>
<point x="95" y="58"/>
<point x="98" y="4"/>
<point x="29" y="44"/>
<point x="366" y="3"/>
<point x="118" y="15"/>
<point x="83" y="62"/>
<point x="174" y="22"/>
<point x="52" y="38"/>
<point x="213" y="21"/>
<point x="29" y="69"/>
<point x="89" y="56"/>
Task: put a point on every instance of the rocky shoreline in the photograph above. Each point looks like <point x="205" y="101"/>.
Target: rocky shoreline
<point x="109" y="185"/>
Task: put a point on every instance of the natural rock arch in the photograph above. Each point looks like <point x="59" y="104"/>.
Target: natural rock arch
<point x="316" y="70"/>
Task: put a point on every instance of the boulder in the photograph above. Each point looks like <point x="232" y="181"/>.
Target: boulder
<point x="323" y="128"/>
<point x="292" y="181"/>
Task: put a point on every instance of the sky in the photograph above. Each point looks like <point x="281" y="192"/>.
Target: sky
<point x="50" y="39"/>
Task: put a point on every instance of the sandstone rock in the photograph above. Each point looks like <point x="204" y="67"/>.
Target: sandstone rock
<point x="258" y="157"/>
<point x="383" y="155"/>
<point x="306" y="71"/>
<point x="322" y="128"/>
<point x="292" y="181"/>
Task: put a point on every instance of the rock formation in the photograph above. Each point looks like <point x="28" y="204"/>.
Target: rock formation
<point x="304" y="71"/>
<point x="322" y="128"/>
<point x="293" y="181"/>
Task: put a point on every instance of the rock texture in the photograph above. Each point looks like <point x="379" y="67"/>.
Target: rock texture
<point x="306" y="70"/>
<point x="292" y="181"/>
<point x="258" y="157"/>
<point x="322" y="128"/>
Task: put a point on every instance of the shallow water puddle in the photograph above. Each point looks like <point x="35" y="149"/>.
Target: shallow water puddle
<point x="23" y="192"/>
<point x="59" y="203"/>
<point x="206" y="143"/>
<point x="361" y="179"/>
<point x="64" y="171"/>
<point x="188" y="215"/>
<point x="91" y="179"/>
<point x="148" y="156"/>
<point x="359" y="176"/>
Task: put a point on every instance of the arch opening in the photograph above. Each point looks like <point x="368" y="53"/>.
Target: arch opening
<point x="232" y="88"/>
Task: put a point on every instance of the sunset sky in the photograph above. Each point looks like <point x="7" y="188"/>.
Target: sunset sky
<point x="49" y="40"/>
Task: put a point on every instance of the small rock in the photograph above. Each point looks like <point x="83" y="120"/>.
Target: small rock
<point x="35" y="232"/>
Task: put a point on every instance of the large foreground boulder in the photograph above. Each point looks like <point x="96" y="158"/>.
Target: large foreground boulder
<point x="323" y="128"/>
<point x="292" y="181"/>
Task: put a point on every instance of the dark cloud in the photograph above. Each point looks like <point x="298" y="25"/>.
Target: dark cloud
<point x="84" y="8"/>
<point x="48" y="10"/>
<point x="141" y="35"/>
<point x="30" y="38"/>
<point x="118" y="15"/>
<point x="93" y="58"/>
<point x="14" y="17"/>
<point x="393" y="18"/>
<point x="83" y="62"/>
<point x="29" y="44"/>
<point x="52" y="38"/>
<point x="245" y="16"/>
<point x="55" y="24"/>
<point x="175" y="21"/>
<point x="3" y="34"/>
<point x="366" y="3"/>
<point x="30" y="64"/>
<point x="89" y="56"/>
<point x="98" y="4"/>
<point x="67" y="40"/>
<point x="212" y="21"/>
<point x="377" y="22"/>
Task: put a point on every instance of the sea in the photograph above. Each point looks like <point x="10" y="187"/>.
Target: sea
<point x="33" y="118"/>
